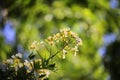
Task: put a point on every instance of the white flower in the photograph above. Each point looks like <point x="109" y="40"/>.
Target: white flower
<point x="13" y="56"/>
<point x="47" y="72"/>
<point x="19" y="55"/>
<point x="64" y="29"/>
<point x="42" y="44"/>
<point x="79" y="41"/>
<point x="34" y="45"/>
<point x="10" y="61"/>
<point x="20" y="65"/>
<point x="26" y="62"/>
<point x="64" y="52"/>
<point x="75" y="49"/>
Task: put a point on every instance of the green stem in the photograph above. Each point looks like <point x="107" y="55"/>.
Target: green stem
<point x="39" y="54"/>
<point x="56" y="53"/>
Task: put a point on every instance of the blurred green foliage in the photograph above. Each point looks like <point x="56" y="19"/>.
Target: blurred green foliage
<point x="37" y="19"/>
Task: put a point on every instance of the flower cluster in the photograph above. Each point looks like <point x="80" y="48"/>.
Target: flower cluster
<point x="34" y="45"/>
<point x="33" y="69"/>
<point x="15" y="61"/>
<point x="68" y="40"/>
<point x="40" y="60"/>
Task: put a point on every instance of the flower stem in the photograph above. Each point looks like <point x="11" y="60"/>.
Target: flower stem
<point x="56" y="53"/>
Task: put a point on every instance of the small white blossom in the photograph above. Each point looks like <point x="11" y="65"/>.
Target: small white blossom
<point x="75" y="48"/>
<point x="64" y="52"/>
<point x="10" y="61"/>
<point x="19" y="55"/>
<point x="26" y="62"/>
<point x="79" y="41"/>
<point x="20" y="65"/>
<point x="13" y="56"/>
<point x="47" y="72"/>
<point x="42" y="43"/>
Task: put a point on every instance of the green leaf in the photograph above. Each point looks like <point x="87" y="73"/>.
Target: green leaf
<point x="51" y="66"/>
<point x="43" y="75"/>
<point x="31" y="56"/>
<point x="37" y="65"/>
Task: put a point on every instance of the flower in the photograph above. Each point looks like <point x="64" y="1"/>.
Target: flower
<point x="13" y="56"/>
<point x="74" y="35"/>
<point x="19" y="55"/>
<point x="34" y="45"/>
<point x="20" y="65"/>
<point x="44" y="71"/>
<point x="28" y="66"/>
<point x="47" y="72"/>
<point x="10" y="61"/>
<point x="64" y="52"/>
<point x="42" y="44"/>
<point x="64" y="30"/>
<point x="79" y="41"/>
<point x="63" y="42"/>
<point x="75" y="49"/>
<point x="16" y="60"/>
<point x="50" y="40"/>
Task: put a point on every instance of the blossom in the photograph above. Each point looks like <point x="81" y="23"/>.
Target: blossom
<point x="28" y="66"/>
<point x="50" y="40"/>
<point x="44" y="71"/>
<point x="16" y="60"/>
<point x="34" y="45"/>
<point x="42" y="44"/>
<point x="63" y="42"/>
<point x="13" y="56"/>
<point x="75" y="49"/>
<point x="74" y="35"/>
<point x="9" y="61"/>
<point x="47" y="72"/>
<point x="19" y="55"/>
<point x="79" y="41"/>
<point x="64" y="53"/>
<point x="64" y="30"/>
